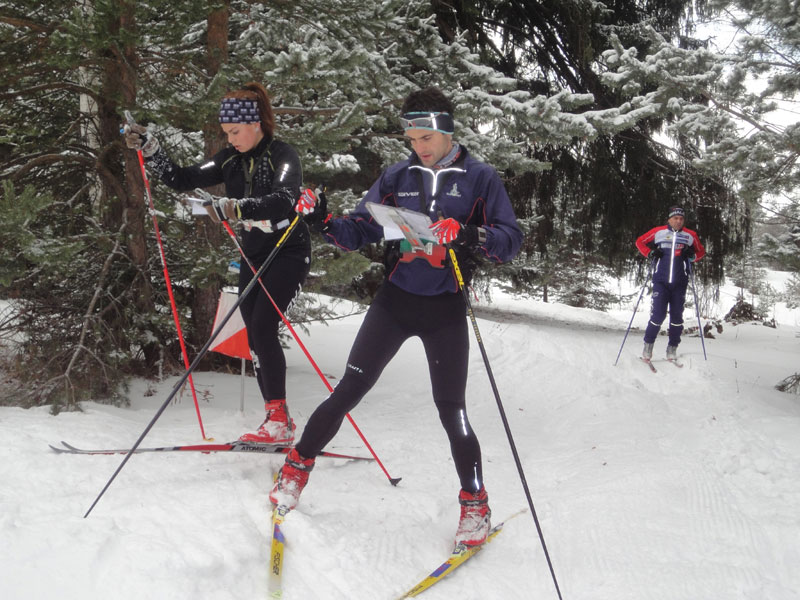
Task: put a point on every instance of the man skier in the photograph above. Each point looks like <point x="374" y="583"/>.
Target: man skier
<point x="672" y="248"/>
<point x="470" y="209"/>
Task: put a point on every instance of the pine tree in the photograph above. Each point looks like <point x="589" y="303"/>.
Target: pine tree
<point x="617" y="181"/>
<point x="91" y="305"/>
<point x="712" y="102"/>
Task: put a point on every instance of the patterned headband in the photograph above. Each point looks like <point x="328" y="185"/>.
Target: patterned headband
<point x="676" y="211"/>
<point x="237" y="110"/>
<point x="434" y="121"/>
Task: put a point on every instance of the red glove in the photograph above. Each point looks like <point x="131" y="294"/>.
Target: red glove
<point x="446" y="230"/>
<point x="306" y="202"/>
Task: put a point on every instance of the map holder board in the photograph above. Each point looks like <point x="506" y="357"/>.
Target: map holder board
<point x="399" y="223"/>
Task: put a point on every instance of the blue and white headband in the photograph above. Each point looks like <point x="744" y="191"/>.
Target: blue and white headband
<point x="434" y="121"/>
<point x="238" y="110"/>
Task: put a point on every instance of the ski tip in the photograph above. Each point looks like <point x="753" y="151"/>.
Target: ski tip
<point x="649" y="363"/>
<point x="496" y="528"/>
<point x="521" y="511"/>
<point x="395" y="481"/>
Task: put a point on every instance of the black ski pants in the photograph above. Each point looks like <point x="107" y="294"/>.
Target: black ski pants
<point x="283" y="279"/>
<point x="394" y="316"/>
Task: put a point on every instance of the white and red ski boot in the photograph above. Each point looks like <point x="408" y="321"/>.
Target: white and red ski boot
<point x="292" y="478"/>
<point x="277" y="428"/>
<point x="473" y="528"/>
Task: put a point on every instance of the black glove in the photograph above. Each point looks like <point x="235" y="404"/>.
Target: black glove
<point x="318" y="220"/>
<point x="655" y="251"/>
<point x="688" y="253"/>
<point x="471" y="236"/>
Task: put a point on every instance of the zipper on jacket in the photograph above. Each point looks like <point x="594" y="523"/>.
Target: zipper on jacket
<point x="672" y="254"/>
<point x="435" y="174"/>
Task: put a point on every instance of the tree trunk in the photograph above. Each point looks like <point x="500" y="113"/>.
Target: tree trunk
<point x="122" y="197"/>
<point x="204" y="305"/>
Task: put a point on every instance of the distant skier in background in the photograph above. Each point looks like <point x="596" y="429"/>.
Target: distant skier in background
<point x="672" y="247"/>
<point x="262" y="178"/>
<point x="470" y="209"/>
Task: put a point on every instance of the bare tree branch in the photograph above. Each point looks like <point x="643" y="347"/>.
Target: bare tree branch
<point x="74" y="87"/>
<point x="88" y="316"/>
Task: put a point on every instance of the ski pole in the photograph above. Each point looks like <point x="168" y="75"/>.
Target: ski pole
<point x="635" y="308"/>
<point x="393" y="481"/>
<point x="697" y="308"/>
<point x="199" y="356"/>
<point x="474" y="322"/>
<point x="167" y="279"/>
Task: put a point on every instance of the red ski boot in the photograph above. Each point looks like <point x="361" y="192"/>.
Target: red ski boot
<point x="292" y="478"/>
<point x="277" y="428"/>
<point x="473" y="528"/>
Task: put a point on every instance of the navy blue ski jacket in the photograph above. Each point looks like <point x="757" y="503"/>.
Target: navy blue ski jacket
<point x="671" y="268"/>
<point x="468" y="190"/>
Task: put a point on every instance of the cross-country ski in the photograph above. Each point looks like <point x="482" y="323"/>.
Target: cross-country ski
<point x="650" y="364"/>
<point x="458" y="557"/>
<point x="277" y="548"/>
<point x="249" y="447"/>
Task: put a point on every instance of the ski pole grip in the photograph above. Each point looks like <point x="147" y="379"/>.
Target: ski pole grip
<point x="129" y="120"/>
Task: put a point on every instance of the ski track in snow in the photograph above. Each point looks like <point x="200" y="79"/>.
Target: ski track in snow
<point x="679" y="485"/>
<point x="700" y="495"/>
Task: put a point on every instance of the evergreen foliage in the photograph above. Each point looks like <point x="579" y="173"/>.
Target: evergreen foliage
<point x="571" y="124"/>
<point x="337" y="75"/>
<point x="724" y="101"/>
<point x="603" y="189"/>
<point x="88" y="285"/>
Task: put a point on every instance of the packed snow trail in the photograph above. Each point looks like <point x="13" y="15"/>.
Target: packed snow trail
<point x="682" y="484"/>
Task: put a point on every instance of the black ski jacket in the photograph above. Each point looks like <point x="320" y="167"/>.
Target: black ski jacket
<point x="267" y="179"/>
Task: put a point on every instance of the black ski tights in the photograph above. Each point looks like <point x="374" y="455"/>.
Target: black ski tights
<point x="283" y="280"/>
<point x="393" y="317"/>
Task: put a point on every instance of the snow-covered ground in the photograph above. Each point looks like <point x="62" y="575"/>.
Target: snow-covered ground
<point x="684" y="484"/>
